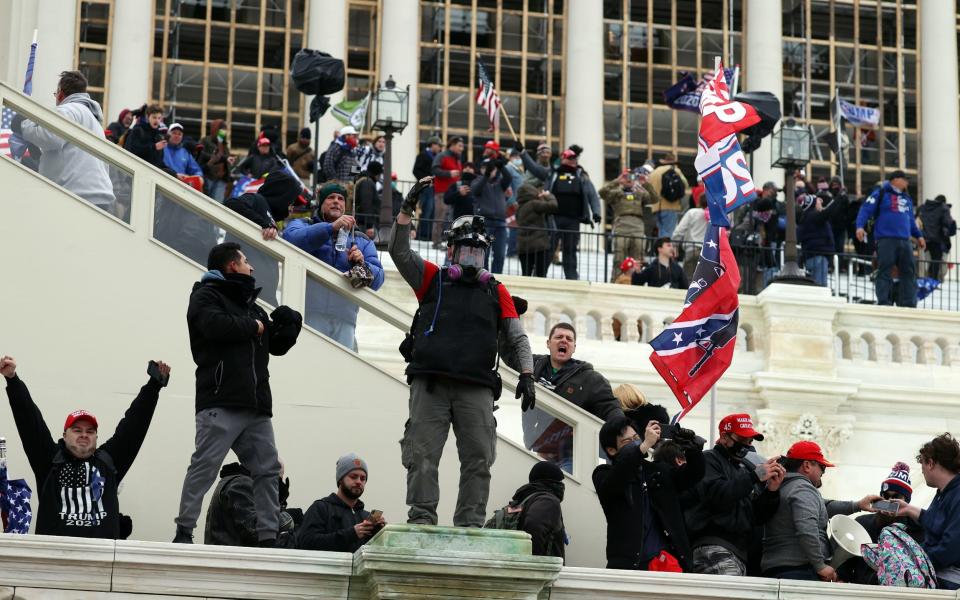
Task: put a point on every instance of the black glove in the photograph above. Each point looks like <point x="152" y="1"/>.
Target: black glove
<point x="16" y="123"/>
<point x="519" y="146"/>
<point x="596" y="218"/>
<point x="526" y="388"/>
<point x="578" y="150"/>
<point x="284" y="315"/>
<point x="409" y="206"/>
<point x="284" y="492"/>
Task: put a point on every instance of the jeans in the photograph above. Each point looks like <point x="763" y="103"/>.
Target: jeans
<point x="936" y="256"/>
<point x="426" y="214"/>
<point x="511" y="241"/>
<point x="568" y="231"/>
<point x="498" y="229"/>
<point x="817" y="268"/>
<point x="667" y="222"/>
<point x="894" y="252"/>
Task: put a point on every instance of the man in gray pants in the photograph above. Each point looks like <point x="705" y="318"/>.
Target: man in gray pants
<point x="231" y="339"/>
<point x="452" y="351"/>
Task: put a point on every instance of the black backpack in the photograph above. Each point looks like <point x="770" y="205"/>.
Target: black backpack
<point x="671" y="186"/>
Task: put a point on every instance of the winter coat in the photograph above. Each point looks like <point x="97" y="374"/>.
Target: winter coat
<point x="590" y="203"/>
<point x="461" y="205"/>
<point x="301" y="159"/>
<point x="532" y="234"/>
<point x="366" y="201"/>
<point x="796" y="534"/>
<point x="936" y="220"/>
<point x="692" y="227"/>
<point x="542" y="516"/>
<point x="575" y="382"/>
<point x="423" y="165"/>
<point x="116" y="129"/>
<point x="941" y="527"/>
<point x="317" y="238"/>
<point x="443" y="164"/>
<point x="728" y="504"/>
<point x="657" y="275"/>
<point x="141" y="141"/>
<point x="213" y="157"/>
<point x="70" y="166"/>
<point x="656" y="180"/>
<point x="232" y="513"/>
<point x="626" y="485"/>
<point x="232" y="360"/>
<point x="78" y="497"/>
<point x="257" y="165"/>
<point x="892" y="211"/>
<point x="179" y="160"/>
<point x="328" y="525"/>
<point x="624" y="202"/>
<point x="339" y="162"/>
<point x="488" y="195"/>
<point x="814" y="231"/>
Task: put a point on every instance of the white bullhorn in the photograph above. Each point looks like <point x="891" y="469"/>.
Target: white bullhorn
<point x="846" y="536"/>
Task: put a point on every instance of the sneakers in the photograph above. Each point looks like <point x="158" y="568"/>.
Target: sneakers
<point x="183" y="536"/>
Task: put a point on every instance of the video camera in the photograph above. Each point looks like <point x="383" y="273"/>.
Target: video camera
<point x="680" y="435"/>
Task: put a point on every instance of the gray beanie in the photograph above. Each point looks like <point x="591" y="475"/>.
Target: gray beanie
<point x="349" y="462"/>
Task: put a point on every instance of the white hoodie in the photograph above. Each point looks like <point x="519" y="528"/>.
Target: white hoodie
<point x="71" y="166"/>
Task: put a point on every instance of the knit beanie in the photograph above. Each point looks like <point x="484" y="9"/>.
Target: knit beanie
<point x="349" y="462"/>
<point x="898" y="481"/>
<point x="331" y="188"/>
<point x="545" y="471"/>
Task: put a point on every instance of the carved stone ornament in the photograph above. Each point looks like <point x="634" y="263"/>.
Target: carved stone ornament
<point x="780" y="431"/>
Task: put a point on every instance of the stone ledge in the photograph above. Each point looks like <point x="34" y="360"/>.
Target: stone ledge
<point x="56" y="562"/>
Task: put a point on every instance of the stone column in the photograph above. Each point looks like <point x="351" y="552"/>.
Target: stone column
<point x="583" y="77"/>
<point x="326" y="31"/>
<point x="763" y="71"/>
<point x="56" y="24"/>
<point x="129" y="57"/>
<point x="400" y="57"/>
<point x="940" y="124"/>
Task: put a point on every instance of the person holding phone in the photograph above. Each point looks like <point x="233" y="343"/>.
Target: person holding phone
<point x="339" y="522"/>
<point x="77" y="479"/>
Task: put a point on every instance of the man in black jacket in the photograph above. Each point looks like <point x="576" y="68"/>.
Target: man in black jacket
<point x="573" y="380"/>
<point x="232" y="514"/>
<point x="77" y="480"/>
<point x="423" y="167"/>
<point x="541" y="514"/>
<point x="339" y="523"/>
<point x="732" y="500"/>
<point x="231" y="339"/>
<point x="145" y="139"/>
<point x="640" y="498"/>
<point x="664" y="271"/>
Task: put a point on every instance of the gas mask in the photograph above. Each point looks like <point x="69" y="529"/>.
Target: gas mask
<point x="468" y="263"/>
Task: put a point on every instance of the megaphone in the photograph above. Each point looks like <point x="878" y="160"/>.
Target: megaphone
<point x="846" y="537"/>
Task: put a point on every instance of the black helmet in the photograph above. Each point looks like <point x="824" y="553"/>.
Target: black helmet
<point x="468" y="230"/>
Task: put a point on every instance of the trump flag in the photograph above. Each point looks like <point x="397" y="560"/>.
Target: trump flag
<point x="694" y="351"/>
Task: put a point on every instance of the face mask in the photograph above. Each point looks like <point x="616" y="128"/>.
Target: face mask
<point x="740" y="450"/>
<point x="351" y="141"/>
<point x="222" y="135"/>
<point x="516" y="162"/>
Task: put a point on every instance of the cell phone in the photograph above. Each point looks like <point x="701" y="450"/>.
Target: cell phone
<point x="886" y="506"/>
<point x="375" y="515"/>
<point x="153" y="371"/>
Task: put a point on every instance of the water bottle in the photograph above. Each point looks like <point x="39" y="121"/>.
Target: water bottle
<point x="342" y="236"/>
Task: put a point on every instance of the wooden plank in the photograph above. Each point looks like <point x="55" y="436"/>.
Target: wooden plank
<point x="261" y="36"/>
<point x="166" y="52"/>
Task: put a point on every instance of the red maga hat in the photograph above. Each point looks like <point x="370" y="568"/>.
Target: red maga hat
<point x="807" y="450"/>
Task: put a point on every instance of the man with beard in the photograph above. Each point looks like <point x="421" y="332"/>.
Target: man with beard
<point x="78" y="480"/>
<point x="795" y="544"/>
<point x="339" y="523"/>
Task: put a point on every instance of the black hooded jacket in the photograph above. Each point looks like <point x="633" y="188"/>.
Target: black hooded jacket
<point x="141" y="141"/>
<point x="78" y="497"/>
<point x="269" y="204"/>
<point x="232" y="514"/>
<point x="328" y="525"/>
<point x="625" y="485"/>
<point x="231" y="358"/>
<point x="542" y="516"/>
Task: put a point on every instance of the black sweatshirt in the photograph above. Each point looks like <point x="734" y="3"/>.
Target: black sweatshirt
<point x="79" y="497"/>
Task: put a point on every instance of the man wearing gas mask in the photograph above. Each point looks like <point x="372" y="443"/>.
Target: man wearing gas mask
<point x="733" y="499"/>
<point x="452" y="354"/>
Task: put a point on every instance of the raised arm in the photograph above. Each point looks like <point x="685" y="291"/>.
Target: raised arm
<point x="125" y="444"/>
<point x="35" y="436"/>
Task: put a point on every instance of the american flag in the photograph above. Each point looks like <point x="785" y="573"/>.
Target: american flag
<point x="487" y="98"/>
<point x="5" y="131"/>
<point x="14" y="503"/>
<point x="7" y="117"/>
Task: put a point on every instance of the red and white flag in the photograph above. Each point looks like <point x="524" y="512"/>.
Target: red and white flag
<point x="487" y="98"/>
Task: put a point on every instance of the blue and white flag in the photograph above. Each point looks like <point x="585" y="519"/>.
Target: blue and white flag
<point x="14" y="503"/>
<point x="859" y="116"/>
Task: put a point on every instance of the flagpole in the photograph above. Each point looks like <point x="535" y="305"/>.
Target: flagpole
<point x="839" y="138"/>
<point x="503" y="111"/>
<point x="713" y="408"/>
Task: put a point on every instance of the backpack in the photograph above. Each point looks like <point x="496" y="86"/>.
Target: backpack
<point x="899" y="560"/>
<point x="510" y="517"/>
<point x="671" y="186"/>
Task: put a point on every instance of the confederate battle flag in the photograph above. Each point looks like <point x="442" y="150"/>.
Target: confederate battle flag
<point x="694" y="351"/>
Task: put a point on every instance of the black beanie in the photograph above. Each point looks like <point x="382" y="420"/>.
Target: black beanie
<point x="545" y="471"/>
<point x="375" y="168"/>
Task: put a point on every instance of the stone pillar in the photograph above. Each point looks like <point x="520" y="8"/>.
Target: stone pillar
<point x="583" y="77"/>
<point x="422" y="561"/>
<point x="940" y="124"/>
<point x="56" y="24"/>
<point x="129" y="57"/>
<point x="399" y="56"/>
<point x="17" y="20"/>
<point x="763" y="71"/>
<point x="326" y="31"/>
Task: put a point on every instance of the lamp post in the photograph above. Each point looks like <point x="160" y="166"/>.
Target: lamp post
<point x="390" y="115"/>
<point x="790" y="150"/>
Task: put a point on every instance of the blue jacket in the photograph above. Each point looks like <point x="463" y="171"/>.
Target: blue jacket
<point x="941" y="527"/>
<point x="894" y="215"/>
<point x="317" y="238"/>
<point x="179" y="160"/>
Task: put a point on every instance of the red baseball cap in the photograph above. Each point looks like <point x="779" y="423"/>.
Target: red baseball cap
<point x="493" y="145"/>
<point x="263" y="141"/>
<point x="740" y="424"/>
<point x="79" y="415"/>
<point x="807" y="450"/>
<point x="627" y="264"/>
<point x="568" y="153"/>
